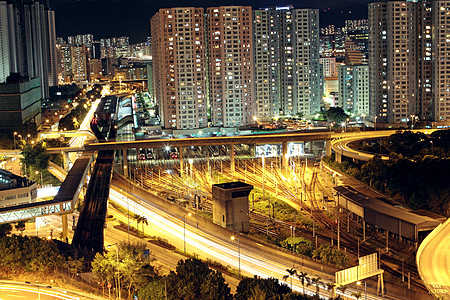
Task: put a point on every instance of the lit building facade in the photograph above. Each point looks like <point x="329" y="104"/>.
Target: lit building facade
<point x="393" y="63"/>
<point x="230" y="57"/>
<point x="79" y="63"/>
<point x="20" y="102"/>
<point x="179" y="67"/>
<point x="354" y="89"/>
<point x="28" y="42"/>
<point x="288" y="73"/>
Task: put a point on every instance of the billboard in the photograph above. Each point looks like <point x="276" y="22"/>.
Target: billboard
<point x="368" y="267"/>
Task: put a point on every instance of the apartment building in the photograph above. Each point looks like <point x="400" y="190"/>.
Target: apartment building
<point x="288" y="73"/>
<point x="230" y="55"/>
<point x="179" y="67"/>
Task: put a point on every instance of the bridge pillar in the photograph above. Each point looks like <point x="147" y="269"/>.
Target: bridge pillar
<point x="328" y="147"/>
<point x="66" y="160"/>
<point x="338" y="157"/>
<point x="180" y="150"/>
<point x="232" y="158"/>
<point x="284" y="157"/>
<point x="125" y="163"/>
<point x="65" y="225"/>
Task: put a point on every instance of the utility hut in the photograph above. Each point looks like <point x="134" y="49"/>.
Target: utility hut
<point x="230" y="205"/>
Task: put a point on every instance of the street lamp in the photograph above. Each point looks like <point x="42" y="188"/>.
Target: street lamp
<point x="375" y="127"/>
<point x="118" y="274"/>
<point x="191" y="161"/>
<point x="239" y="252"/>
<point x="184" y="230"/>
<point x="14" y="146"/>
<point x="37" y="172"/>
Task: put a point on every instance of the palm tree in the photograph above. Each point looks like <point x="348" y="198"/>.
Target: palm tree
<point x="291" y="272"/>
<point x="315" y="281"/>
<point x="144" y="221"/>
<point x="331" y="287"/>
<point x="342" y="288"/>
<point x="140" y="219"/>
<point x="357" y="295"/>
<point x="302" y="277"/>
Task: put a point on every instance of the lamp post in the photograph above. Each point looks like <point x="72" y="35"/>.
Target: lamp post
<point x="37" y="172"/>
<point x="375" y="127"/>
<point x="239" y="252"/>
<point x="184" y="230"/>
<point x="14" y="145"/>
<point x="118" y="274"/>
<point x="191" y="161"/>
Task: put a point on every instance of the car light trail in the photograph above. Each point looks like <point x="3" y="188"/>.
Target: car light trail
<point x="251" y="263"/>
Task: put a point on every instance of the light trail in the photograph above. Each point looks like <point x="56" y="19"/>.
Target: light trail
<point x="42" y="290"/>
<point x="252" y="262"/>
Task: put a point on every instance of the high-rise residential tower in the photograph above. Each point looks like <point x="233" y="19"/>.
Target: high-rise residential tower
<point x="230" y="57"/>
<point x="179" y="67"/>
<point x="393" y="60"/>
<point x="354" y="89"/>
<point x="288" y="74"/>
<point x="409" y="60"/>
<point x="440" y="51"/>
<point x="29" y="30"/>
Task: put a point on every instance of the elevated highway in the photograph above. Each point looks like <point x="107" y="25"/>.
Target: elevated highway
<point x="433" y="261"/>
<point x="340" y="143"/>
<point x="71" y="133"/>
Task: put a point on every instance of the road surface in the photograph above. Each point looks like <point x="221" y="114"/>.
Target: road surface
<point x="433" y="261"/>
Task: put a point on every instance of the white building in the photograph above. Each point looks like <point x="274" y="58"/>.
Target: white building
<point x="16" y="190"/>
<point x="354" y="89"/>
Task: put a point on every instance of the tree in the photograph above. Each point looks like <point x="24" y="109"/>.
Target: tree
<point x="268" y="286"/>
<point x="194" y="280"/>
<point x="315" y="281"/>
<point x="75" y="265"/>
<point x="336" y="114"/>
<point x="331" y="287"/>
<point x="357" y="295"/>
<point x="153" y="290"/>
<point x="128" y="267"/>
<point x="35" y="158"/>
<point x="20" y="226"/>
<point x="5" y="229"/>
<point x="140" y="219"/>
<point x="291" y="273"/>
<point x="215" y="287"/>
<point x="302" y="276"/>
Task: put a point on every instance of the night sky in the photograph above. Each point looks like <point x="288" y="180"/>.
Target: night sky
<point x="114" y="18"/>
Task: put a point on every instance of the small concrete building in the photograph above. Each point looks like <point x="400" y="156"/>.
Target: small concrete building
<point x="230" y="205"/>
<point x="16" y="190"/>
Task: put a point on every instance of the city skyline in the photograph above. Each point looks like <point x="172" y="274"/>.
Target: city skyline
<point x="82" y="17"/>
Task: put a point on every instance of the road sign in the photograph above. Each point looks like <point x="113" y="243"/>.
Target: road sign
<point x="368" y="267"/>
<point x="109" y="285"/>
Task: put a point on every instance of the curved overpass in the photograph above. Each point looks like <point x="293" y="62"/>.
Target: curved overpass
<point x="341" y="140"/>
<point x="433" y="261"/>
